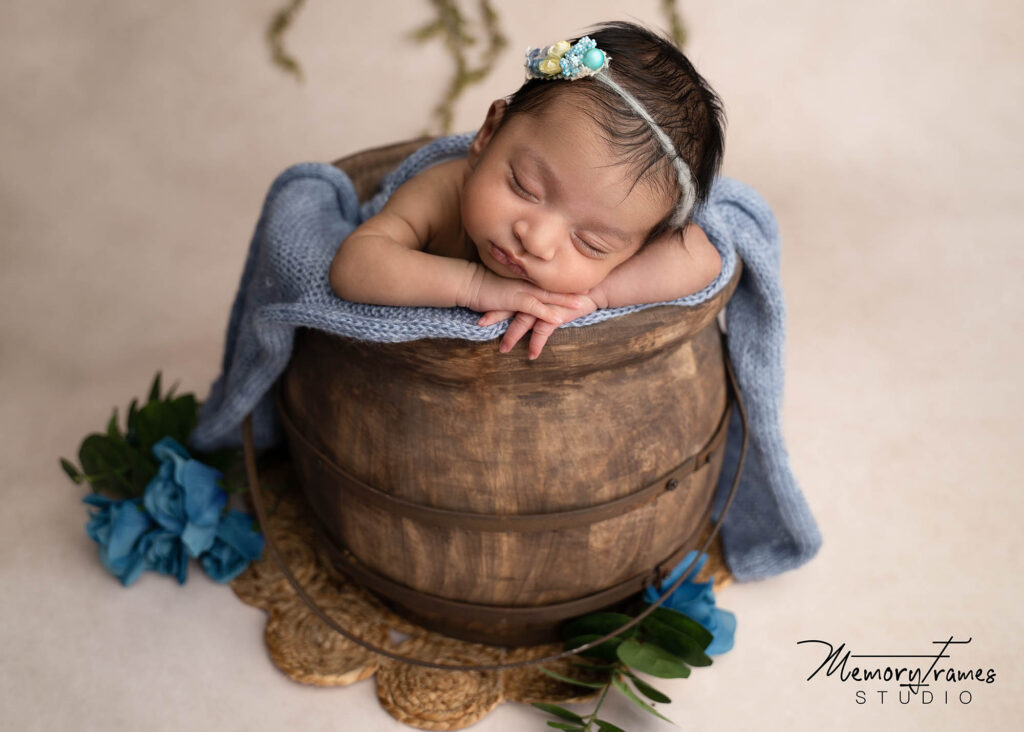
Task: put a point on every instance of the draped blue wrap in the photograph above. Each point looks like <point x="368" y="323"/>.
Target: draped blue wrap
<point x="312" y="207"/>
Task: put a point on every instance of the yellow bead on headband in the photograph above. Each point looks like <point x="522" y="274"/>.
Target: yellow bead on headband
<point x="571" y="61"/>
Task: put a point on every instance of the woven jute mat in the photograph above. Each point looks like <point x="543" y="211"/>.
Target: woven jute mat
<point x="305" y="649"/>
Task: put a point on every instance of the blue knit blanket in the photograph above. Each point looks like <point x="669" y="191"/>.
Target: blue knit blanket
<point x="312" y="207"/>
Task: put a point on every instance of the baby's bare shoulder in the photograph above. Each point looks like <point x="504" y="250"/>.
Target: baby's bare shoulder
<point x="438" y="183"/>
<point x="430" y="201"/>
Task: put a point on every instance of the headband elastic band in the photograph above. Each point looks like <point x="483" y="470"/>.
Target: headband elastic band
<point x="682" y="169"/>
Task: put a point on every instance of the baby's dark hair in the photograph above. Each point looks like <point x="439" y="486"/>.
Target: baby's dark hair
<point x="663" y="80"/>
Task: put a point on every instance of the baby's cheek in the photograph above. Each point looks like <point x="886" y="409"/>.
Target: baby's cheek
<point x="474" y="216"/>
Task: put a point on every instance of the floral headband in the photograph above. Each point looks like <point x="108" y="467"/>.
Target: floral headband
<point x="583" y="59"/>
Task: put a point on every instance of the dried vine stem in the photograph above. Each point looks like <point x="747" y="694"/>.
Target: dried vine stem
<point x="453" y="29"/>
<point x="671" y="10"/>
<point x="279" y="23"/>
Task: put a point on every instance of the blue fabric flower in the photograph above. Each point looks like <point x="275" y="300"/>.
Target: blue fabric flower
<point x="164" y="552"/>
<point x="118" y="527"/>
<point x="184" y="497"/>
<point x="696" y="600"/>
<point x="237" y="544"/>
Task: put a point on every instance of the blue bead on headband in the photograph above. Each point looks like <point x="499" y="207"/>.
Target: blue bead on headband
<point x="572" y="61"/>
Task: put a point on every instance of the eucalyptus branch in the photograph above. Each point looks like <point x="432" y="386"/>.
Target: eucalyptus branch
<point x="665" y="645"/>
<point x="615" y="676"/>
<point x="592" y="717"/>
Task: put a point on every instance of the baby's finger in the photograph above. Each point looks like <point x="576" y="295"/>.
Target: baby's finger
<point x="495" y="316"/>
<point x="559" y="298"/>
<point x="519" y="327"/>
<point x="541" y="333"/>
<point x="529" y="304"/>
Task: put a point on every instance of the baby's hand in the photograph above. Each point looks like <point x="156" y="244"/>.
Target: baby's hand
<point x="489" y="293"/>
<point x="542" y="330"/>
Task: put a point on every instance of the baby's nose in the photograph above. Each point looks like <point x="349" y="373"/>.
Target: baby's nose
<point x="536" y="239"/>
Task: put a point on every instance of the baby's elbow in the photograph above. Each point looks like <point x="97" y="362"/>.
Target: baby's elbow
<point x="711" y="266"/>
<point x="340" y="276"/>
<point x="705" y="262"/>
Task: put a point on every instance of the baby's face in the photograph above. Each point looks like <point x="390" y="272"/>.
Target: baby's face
<point x="548" y="200"/>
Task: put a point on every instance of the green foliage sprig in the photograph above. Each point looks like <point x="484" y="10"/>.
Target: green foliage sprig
<point x="280" y="22"/>
<point x="120" y="463"/>
<point x="665" y="644"/>
<point x="675" y="21"/>
<point x="455" y="32"/>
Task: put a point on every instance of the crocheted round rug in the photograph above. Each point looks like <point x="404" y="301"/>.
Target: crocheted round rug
<point x="305" y="649"/>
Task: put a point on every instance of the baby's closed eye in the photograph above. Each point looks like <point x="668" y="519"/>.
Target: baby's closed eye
<point x="586" y="248"/>
<point x="518" y="186"/>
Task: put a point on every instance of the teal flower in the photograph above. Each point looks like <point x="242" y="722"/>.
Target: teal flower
<point x="164" y="552"/>
<point x="237" y="544"/>
<point x="696" y="600"/>
<point x="184" y="497"/>
<point x="119" y="527"/>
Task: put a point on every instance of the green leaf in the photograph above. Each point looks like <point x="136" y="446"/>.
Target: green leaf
<point x="151" y="424"/>
<point x="629" y="694"/>
<point x="154" y="389"/>
<point x="230" y="462"/>
<point x="570" y="680"/>
<point x="425" y="32"/>
<point x="105" y="461"/>
<point x="675" y="642"/>
<point x="112" y="428"/>
<point x="133" y="410"/>
<point x="647" y="690"/>
<point x="157" y="420"/>
<point x="113" y="466"/>
<point x="652" y="660"/>
<point x="183" y="414"/>
<point x="597" y="666"/>
<point x="597" y="624"/>
<point x="608" y="726"/>
<point x="605" y="651"/>
<point x="558" y="711"/>
<point x="566" y="725"/>
<point x="71" y="470"/>
<point x="681" y="623"/>
<point x="141" y="469"/>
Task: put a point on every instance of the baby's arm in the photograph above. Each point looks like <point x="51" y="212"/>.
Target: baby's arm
<point x="382" y="262"/>
<point x="673" y="266"/>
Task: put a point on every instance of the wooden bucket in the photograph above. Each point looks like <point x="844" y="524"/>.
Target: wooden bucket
<point x="490" y="497"/>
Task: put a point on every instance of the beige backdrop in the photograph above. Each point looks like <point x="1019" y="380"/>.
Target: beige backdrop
<point x="139" y="138"/>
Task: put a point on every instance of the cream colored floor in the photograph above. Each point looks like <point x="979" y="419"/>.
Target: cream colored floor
<point x="138" y="140"/>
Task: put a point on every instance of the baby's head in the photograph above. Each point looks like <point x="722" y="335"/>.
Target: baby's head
<point x="571" y="178"/>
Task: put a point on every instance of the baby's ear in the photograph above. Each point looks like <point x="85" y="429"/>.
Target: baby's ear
<point x="486" y="133"/>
